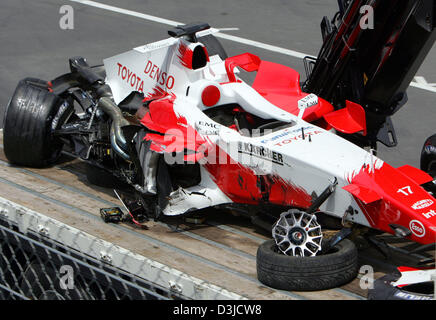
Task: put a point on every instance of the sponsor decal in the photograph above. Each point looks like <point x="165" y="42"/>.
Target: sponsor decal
<point x="131" y="78"/>
<point x="308" y="101"/>
<point x="284" y="133"/>
<point x="163" y="78"/>
<point x="208" y="124"/>
<point x="297" y="137"/>
<point x="209" y="128"/>
<point x="260" y="152"/>
<point x="417" y="228"/>
<point x="429" y="214"/>
<point x="151" y="70"/>
<point x="157" y="45"/>
<point x="421" y="204"/>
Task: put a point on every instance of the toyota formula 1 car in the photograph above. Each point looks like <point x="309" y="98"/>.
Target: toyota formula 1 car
<point x="176" y="122"/>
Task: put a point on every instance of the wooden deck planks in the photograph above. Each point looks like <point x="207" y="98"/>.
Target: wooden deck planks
<point x="224" y="255"/>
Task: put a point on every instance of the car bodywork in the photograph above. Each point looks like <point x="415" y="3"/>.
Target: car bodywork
<point x="405" y="284"/>
<point x="180" y="125"/>
<point x="288" y="167"/>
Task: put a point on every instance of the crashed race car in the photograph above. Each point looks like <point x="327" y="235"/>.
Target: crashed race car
<point x="175" y="122"/>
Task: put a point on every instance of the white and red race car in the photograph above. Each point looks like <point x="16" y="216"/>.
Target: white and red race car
<point x="175" y="121"/>
<point x="289" y="165"/>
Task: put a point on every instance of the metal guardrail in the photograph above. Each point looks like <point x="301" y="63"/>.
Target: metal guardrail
<point x="42" y="258"/>
<point x="34" y="268"/>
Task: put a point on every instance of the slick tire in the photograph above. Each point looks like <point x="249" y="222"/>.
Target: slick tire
<point x="332" y="269"/>
<point x="27" y="129"/>
<point x="213" y="46"/>
<point x="428" y="156"/>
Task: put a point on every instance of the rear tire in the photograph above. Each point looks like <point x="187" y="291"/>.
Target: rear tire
<point x="27" y="125"/>
<point x="332" y="269"/>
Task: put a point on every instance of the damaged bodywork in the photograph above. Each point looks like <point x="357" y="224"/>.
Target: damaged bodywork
<point x="176" y="122"/>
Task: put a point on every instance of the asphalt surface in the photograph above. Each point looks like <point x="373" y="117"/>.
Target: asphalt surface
<point x="33" y="44"/>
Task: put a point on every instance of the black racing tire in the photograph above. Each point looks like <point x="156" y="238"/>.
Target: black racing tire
<point x="428" y="156"/>
<point x="28" y="118"/>
<point x="330" y="270"/>
<point x="213" y="46"/>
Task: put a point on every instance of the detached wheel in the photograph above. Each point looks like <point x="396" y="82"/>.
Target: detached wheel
<point x="324" y="271"/>
<point x="294" y="260"/>
<point x="28" y="125"/>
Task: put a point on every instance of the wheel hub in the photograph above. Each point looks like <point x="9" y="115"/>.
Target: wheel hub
<point x="297" y="233"/>
<point x="297" y="236"/>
